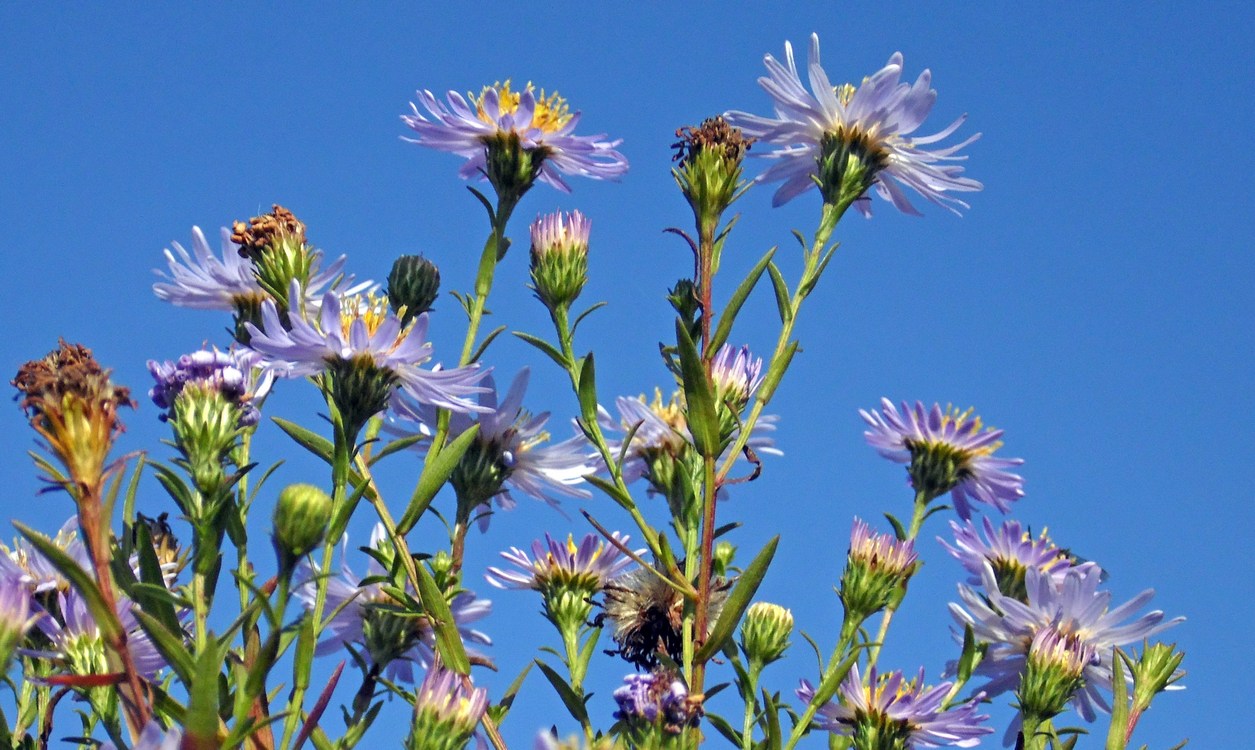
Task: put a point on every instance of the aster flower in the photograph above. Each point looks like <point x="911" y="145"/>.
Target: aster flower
<point x="235" y="375"/>
<point x="661" y="429"/>
<point x="877" y="569"/>
<point x="946" y="452"/>
<point x="819" y="133"/>
<point x="654" y="710"/>
<point x="75" y="638"/>
<point x="15" y="616"/>
<point x="542" y="126"/>
<point x="892" y="712"/>
<point x="1010" y="550"/>
<point x="369" y="353"/>
<point x="1073" y="606"/>
<point x="24" y="563"/>
<point x="587" y="566"/>
<point x="509" y="451"/>
<point x="203" y="281"/>
<point x="446" y="712"/>
<point x="736" y="374"/>
<point x="368" y="618"/>
<point x="154" y="737"/>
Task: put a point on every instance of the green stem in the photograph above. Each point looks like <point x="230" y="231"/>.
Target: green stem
<point x="751" y="706"/>
<point x="828" y="685"/>
<point x="917" y="521"/>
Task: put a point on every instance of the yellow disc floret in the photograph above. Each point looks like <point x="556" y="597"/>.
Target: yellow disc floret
<point x="551" y="112"/>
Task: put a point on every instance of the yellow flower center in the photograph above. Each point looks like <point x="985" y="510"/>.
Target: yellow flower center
<point x="550" y="114"/>
<point x="669" y="412"/>
<point x="371" y="309"/>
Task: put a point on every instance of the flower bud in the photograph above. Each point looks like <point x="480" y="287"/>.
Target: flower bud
<point x="511" y="168"/>
<point x="559" y="257"/>
<point x="708" y="168"/>
<point x="876" y="571"/>
<point x="1156" y="669"/>
<point x="446" y="712"/>
<point x="765" y="632"/>
<point x="725" y="551"/>
<point x="1054" y="671"/>
<point x="301" y="518"/>
<point x="413" y="284"/>
<point x="736" y="374"/>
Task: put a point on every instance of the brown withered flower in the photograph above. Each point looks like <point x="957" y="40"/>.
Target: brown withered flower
<point x="648" y="616"/>
<point x="73" y="405"/>
<point x="266" y="231"/>
<point x="713" y="134"/>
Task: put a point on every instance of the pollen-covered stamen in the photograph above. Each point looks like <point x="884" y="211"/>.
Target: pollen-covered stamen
<point x="551" y="112"/>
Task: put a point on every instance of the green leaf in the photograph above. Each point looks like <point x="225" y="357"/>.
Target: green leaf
<point x="971" y="655"/>
<point x="545" y="348"/>
<point x="898" y="529"/>
<point x="106" y="618"/>
<point x="587" y="390"/>
<point x="772" y="716"/>
<point x="1119" y="704"/>
<point x="770" y="383"/>
<point x="483" y="345"/>
<point x="699" y="396"/>
<point x="720" y="723"/>
<point x="436" y="472"/>
<point x="507" y="699"/>
<point x="399" y="444"/>
<point x="572" y="701"/>
<point x="307" y="439"/>
<point x="784" y="304"/>
<point x="738" y="601"/>
<point x="169" y="644"/>
<point x="728" y="316"/>
<point x="448" y="640"/>
<point x="609" y="488"/>
<point x="580" y="318"/>
<point x="200" y="723"/>
<point x="150" y="573"/>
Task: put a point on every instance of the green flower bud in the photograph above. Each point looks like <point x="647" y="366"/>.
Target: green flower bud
<point x="360" y="389"/>
<point x="413" y="284"/>
<point x="724" y="553"/>
<point x="765" y="632"/>
<point x="876" y="571"/>
<point x="559" y="257"/>
<point x="686" y="301"/>
<point x="206" y="425"/>
<point x="1156" y="669"/>
<point x="1053" y="672"/>
<point x="300" y="521"/>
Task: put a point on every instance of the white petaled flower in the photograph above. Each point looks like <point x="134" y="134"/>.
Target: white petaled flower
<point x="511" y="449"/>
<point x="543" y="125"/>
<point x="362" y="330"/>
<point x="202" y="280"/>
<point x="873" y="121"/>
<point x="1073" y="606"/>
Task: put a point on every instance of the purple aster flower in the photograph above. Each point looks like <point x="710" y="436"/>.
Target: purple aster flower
<point x="543" y="124"/>
<point x="510" y="448"/>
<point x="872" y="122"/>
<point x="366" y="616"/>
<point x="154" y="737"/>
<point x="1073" y="606"/>
<point x="75" y="638"/>
<point x="446" y="711"/>
<point x="946" y="452"/>
<point x="892" y="706"/>
<point x="662" y="429"/>
<point x="204" y="281"/>
<point x="652" y="698"/>
<point x="736" y="373"/>
<point x="587" y="566"/>
<point x="27" y="565"/>
<point x="233" y="374"/>
<point x="362" y="331"/>
<point x="1010" y="550"/>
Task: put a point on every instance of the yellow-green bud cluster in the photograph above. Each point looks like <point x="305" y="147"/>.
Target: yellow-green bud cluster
<point x="559" y="257"/>
<point x="206" y="425"/>
<point x="413" y="285"/>
<point x="1156" y="669"/>
<point x="765" y="632"/>
<point x="301" y="517"/>
<point x="1054" y="670"/>
<point x="876" y="571"/>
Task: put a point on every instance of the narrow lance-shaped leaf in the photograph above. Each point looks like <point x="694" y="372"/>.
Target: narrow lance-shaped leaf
<point x="588" y="390"/>
<point x="1119" y="704"/>
<point x="448" y="639"/>
<point x="699" y="397"/>
<point x="200" y="723"/>
<point x="728" y="316"/>
<point x="569" y="699"/>
<point x="738" y="601"/>
<point x="435" y="473"/>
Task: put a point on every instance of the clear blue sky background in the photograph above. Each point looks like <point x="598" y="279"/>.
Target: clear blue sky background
<point x="1095" y="302"/>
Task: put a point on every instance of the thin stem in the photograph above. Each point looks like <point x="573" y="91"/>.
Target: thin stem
<point x="917" y="521"/>
<point x="751" y="706"/>
<point x="828" y="685"/>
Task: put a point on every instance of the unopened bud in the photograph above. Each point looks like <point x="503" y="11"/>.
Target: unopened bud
<point x="1156" y="669"/>
<point x="413" y="284"/>
<point x="301" y="518"/>
<point x="765" y="632"/>
<point x="1054" y="670"/>
<point x="876" y="571"/>
<point x="560" y="257"/>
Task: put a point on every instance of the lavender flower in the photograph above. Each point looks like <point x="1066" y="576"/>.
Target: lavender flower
<point x="877" y="568"/>
<point x="15" y="616"/>
<point x="509" y="450"/>
<point x="367" y="617"/>
<point x="543" y="126"/>
<point x="892" y="712"/>
<point x="23" y="563"/>
<point x="233" y="374"/>
<point x="1010" y="550"/>
<point x="446" y="712"/>
<point x="656" y="698"/>
<point x="736" y="373"/>
<point x="203" y="281"/>
<point x="1073" y="606"/>
<point x="368" y="351"/>
<point x="869" y="124"/>
<point x="946" y="452"/>
<point x="587" y="566"/>
<point x="74" y="637"/>
<point x="154" y="737"/>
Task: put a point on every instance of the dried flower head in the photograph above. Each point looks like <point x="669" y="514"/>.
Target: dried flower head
<point x="647" y="614"/>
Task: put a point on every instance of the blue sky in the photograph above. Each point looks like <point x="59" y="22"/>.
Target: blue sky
<point x="1095" y="302"/>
